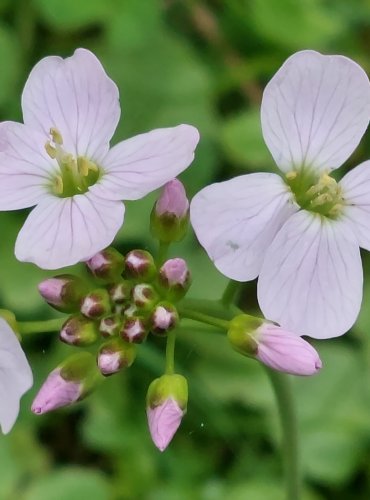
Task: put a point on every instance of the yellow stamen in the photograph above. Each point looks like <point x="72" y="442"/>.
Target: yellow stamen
<point x="291" y="175"/>
<point x="321" y="200"/>
<point x="51" y="151"/>
<point x="58" y="184"/>
<point x="56" y="135"/>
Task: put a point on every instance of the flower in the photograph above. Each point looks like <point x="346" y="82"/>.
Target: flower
<point x="60" y="161"/>
<point x="299" y="232"/>
<point x="16" y="376"/>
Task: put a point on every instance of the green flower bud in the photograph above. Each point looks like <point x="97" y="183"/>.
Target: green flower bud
<point x="144" y="296"/>
<point x="110" y="325"/>
<point x="63" y="292"/>
<point x="114" y="355"/>
<point x="140" y="266"/>
<point x="134" y="330"/>
<point x="240" y="334"/>
<point x="81" y="368"/>
<point x="107" y="265"/>
<point x="163" y="318"/>
<point x="174" y="279"/>
<point x="96" y="304"/>
<point x="120" y="292"/>
<point x="168" y="386"/>
<point x="79" y="331"/>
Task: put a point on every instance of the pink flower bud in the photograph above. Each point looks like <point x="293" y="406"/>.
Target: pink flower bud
<point x="55" y="393"/>
<point x="114" y="355"/>
<point x="164" y="318"/>
<point x="140" y="265"/>
<point x="64" y="292"/>
<point x="173" y="200"/>
<point x="163" y="421"/>
<point x="134" y="330"/>
<point x="96" y="304"/>
<point x="79" y="331"/>
<point x="174" y="279"/>
<point x="107" y="265"/>
<point x="285" y="351"/>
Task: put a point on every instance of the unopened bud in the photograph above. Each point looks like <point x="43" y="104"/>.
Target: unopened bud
<point x="110" y="325"/>
<point x="140" y="265"/>
<point x="274" y="346"/>
<point x="164" y="318"/>
<point x="107" y="265"/>
<point x="64" y="292"/>
<point x="79" y="331"/>
<point x="71" y="381"/>
<point x="144" y="296"/>
<point x="96" y="304"/>
<point x="174" y="279"/>
<point x="114" y="355"/>
<point x="166" y="405"/>
<point x="120" y="292"/>
<point x="170" y="216"/>
<point x="134" y="330"/>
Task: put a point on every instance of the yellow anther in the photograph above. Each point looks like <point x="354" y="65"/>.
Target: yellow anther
<point x="322" y="199"/>
<point x="335" y="210"/>
<point x="56" y="135"/>
<point x="291" y="175"/>
<point x="314" y="190"/>
<point x="58" y="185"/>
<point x="83" y="165"/>
<point x="51" y="151"/>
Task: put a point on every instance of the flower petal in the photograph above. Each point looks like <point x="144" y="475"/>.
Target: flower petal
<point x="60" y="232"/>
<point x="25" y="168"/>
<point x="139" y="165"/>
<point x="311" y="278"/>
<point x="16" y="376"/>
<point x="236" y="220"/>
<point x="315" y="111"/>
<point x="75" y="96"/>
<point x="356" y="193"/>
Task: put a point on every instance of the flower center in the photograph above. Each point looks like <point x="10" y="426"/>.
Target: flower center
<point x="321" y="195"/>
<point x="75" y="175"/>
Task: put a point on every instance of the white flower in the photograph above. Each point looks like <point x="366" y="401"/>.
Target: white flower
<point x="300" y="232"/>
<point x="60" y="160"/>
<point x="15" y="376"/>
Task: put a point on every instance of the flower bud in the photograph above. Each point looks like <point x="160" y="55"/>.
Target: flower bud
<point x="144" y="296"/>
<point x="274" y="346"/>
<point x="170" y="216"/>
<point x="140" y="266"/>
<point x="110" y="325"/>
<point x="166" y="405"/>
<point x="96" y="304"/>
<point x="64" y="292"/>
<point x="134" y="330"/>
<point x="174" y="279"/>
<point x="71" y="381"/>
<point x="107" y="265"/>
<point x="164" y="318"/>
<point x="120" y="292"/>
<point x="79" y="331"/>
<point x="114" y="355"/>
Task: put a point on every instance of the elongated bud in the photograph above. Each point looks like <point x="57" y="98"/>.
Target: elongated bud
<point x="166" y="405"/>
<point x="140" y="266"/>
<point x="144" y="296"/>
<point x="120" y="293"/>
<point x="274" y="346"/>
<point x="79" y="331"/>
<point x="107" y="265"/>
<point x="169" y="219"/>
<point x="96" y="304"/>
<point x="114" y="355"/>
<point x="163" y="318"/>
<point x="110" y="325"/>
<point x="134" y="330"/>
<point x="64" y="292"/>
<point x="174" y="279"/>
<point x="71" y="381"/>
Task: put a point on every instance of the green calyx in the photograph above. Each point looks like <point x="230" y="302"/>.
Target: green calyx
<point x="317" y="194"/>
<point x="168" y="386"/>
<point x="241" y="333"/>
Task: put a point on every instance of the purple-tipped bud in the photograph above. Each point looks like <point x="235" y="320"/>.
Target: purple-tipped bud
<point x="166" y="405"/>
<point x="134" y="330"/>
<point x="71" y="381"/>
<point x="144" y="296"/>
<point x="174" y="279"/>
<point x="274" y="346"/>
<point x="64" y="292"/>
<point x="115" y="355"/>
<point x="170" y="215"/>
<point x="110" y="325"/>
<point x="140" y="266"/>
<point x="79" y="331"/>
<point x="96" y="304"/>
<point x="120" y="292"/>
<point x="164" y="318"/>
<point x="107" y="265"/>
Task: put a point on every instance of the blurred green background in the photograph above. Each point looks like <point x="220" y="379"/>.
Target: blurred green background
<point x="203" y="63"/>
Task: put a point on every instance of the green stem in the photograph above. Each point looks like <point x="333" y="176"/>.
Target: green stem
<point x="203" y="318"/>
<point x="162" y="252"/>
<point x="283" y="394"/>
<point x="50" y="325"/>
<point x="230" y="293"/>
<point x="170" y="352"/>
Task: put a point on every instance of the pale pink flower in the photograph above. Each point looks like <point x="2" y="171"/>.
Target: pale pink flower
<point x="16" y="376"/>
<point x="60" y="161"/>
<point x="299" y="231"/>
<point x="163" y="421"/>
